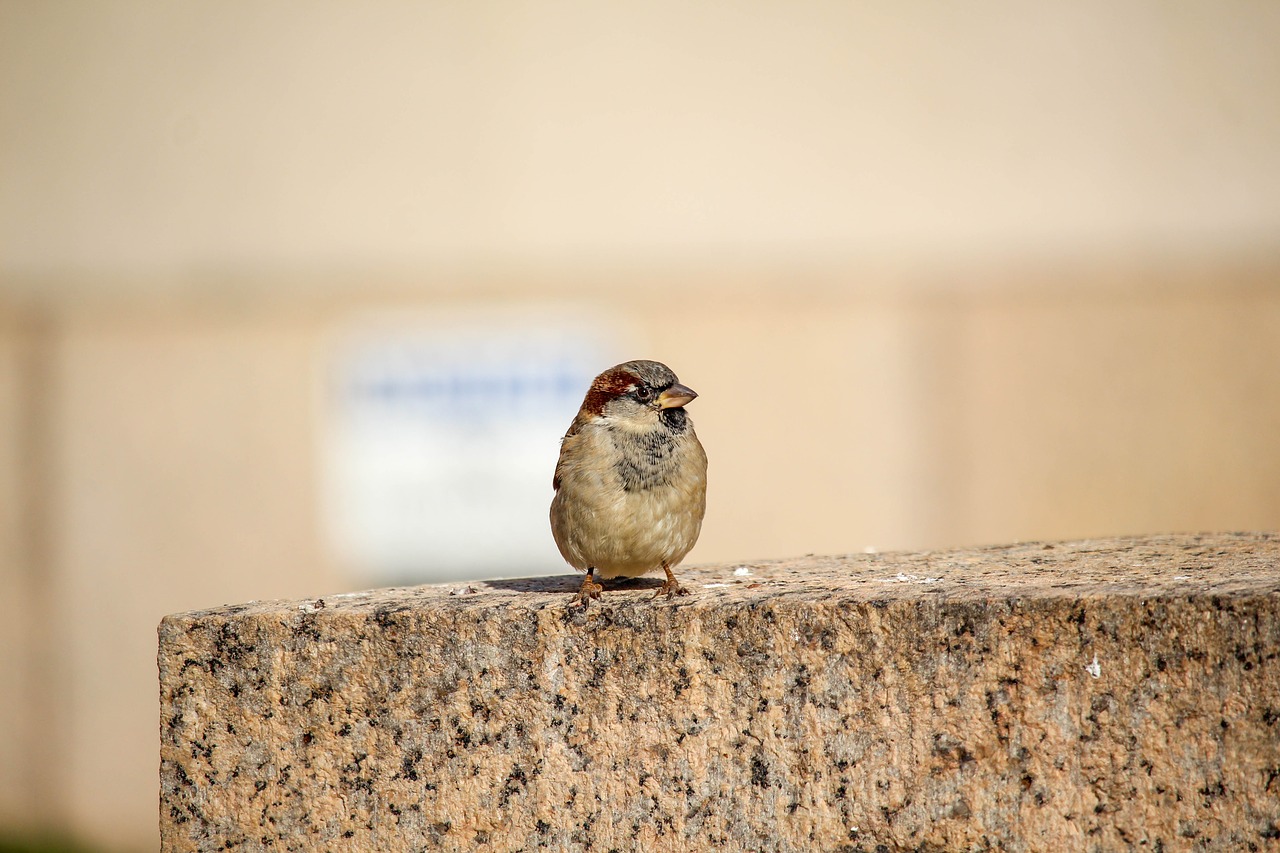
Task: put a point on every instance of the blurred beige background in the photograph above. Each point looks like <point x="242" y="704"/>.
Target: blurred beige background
<point x="943" y="274"/>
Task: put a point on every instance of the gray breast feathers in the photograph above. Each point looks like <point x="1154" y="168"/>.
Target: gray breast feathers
<point x="646" y="460"/>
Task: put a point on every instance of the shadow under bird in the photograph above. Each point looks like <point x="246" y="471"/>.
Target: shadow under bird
<point x="631" y="481"/>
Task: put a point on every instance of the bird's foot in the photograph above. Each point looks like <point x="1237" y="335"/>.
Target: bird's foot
<point x="670" y="587"/>
<point x="589" y="590"/>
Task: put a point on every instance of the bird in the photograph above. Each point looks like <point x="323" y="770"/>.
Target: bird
<point x="631" y="481"/>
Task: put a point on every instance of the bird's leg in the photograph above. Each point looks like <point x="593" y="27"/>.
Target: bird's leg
<point x="670" y="586"/>
<point x="590" y="589"/>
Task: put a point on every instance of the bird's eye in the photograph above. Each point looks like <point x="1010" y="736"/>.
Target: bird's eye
<point x="644" y="394"/>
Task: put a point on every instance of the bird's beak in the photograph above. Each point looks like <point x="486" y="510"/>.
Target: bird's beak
<point x="675" y="396"/>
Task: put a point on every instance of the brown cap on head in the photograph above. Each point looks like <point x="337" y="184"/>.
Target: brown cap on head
<point x="653" y="373"/>
<point x="621" y="378"/>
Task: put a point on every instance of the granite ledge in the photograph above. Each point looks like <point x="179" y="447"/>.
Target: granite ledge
<point x="1089" y="695"/>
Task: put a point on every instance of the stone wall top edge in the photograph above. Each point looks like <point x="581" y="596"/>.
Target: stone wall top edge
<point x="1147" y="567"/>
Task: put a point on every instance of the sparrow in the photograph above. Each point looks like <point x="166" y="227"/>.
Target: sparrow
<point x="631" y="481"/>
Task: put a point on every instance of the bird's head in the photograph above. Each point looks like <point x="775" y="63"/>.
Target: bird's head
<point x="638" y="394"/>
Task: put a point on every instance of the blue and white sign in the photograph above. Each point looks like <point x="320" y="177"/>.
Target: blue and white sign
<point x="442" y="432"/>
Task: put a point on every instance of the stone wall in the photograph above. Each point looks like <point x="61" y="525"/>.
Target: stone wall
<point x="1091" y="695"/>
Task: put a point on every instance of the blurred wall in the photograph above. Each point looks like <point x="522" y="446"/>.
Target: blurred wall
<point x="190" y="139"/>
<point x="942" y="275"/>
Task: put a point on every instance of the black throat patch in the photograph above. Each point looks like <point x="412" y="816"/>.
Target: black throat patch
<point x="646" y="460"/>
<point x="675" y="419"/>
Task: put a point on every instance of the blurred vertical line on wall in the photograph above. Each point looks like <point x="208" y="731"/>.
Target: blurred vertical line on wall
<point x="44" y="667"/>
<point x="939" y="369"/>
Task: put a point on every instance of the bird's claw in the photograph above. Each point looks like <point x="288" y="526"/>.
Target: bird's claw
<point x="671" y="591"/>
<point x="588" y="591"/>
<point x="671" y="588"/>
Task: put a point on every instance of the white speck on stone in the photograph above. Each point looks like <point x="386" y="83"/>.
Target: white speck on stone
<point x="1094" y="669"/>
<point x="361" y="594"/>
<point x="307" y="607"/>
<point x="742" y="571"/>
<point x="713" y="585"/>
<point x="902" y="578"/>
<point x="1182" y="577"/>
<point x="463" y="590"/>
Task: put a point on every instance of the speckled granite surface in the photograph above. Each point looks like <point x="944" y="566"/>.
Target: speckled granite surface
<point x="1094" y="695"/>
